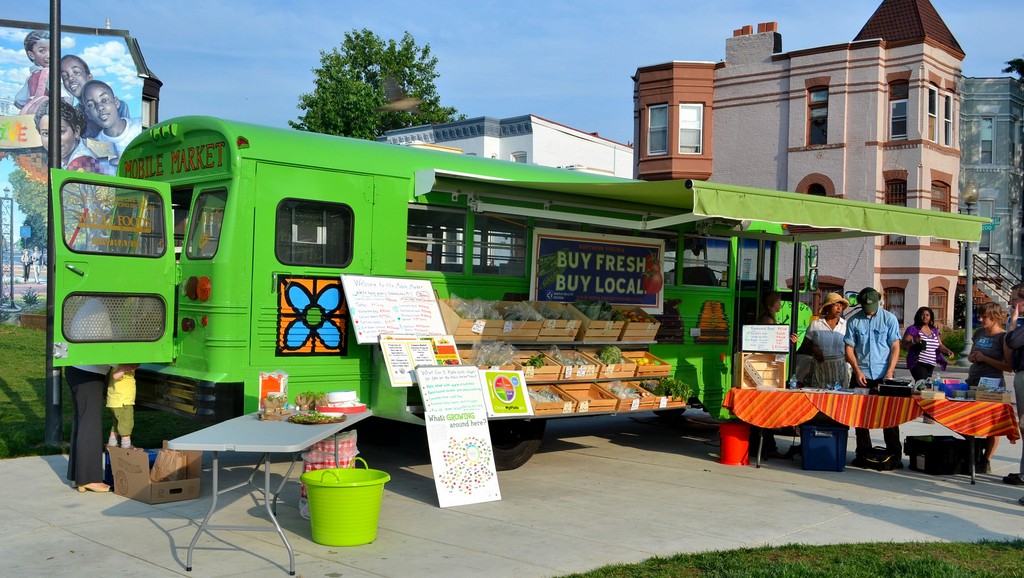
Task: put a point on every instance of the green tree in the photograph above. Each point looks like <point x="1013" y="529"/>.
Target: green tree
<point x="350" y="91"/>
<point x="29" y="194"/>
<point x="1015" y="66"/>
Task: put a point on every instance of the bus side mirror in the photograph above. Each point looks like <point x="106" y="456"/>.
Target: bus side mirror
<point x="811" y="258"/>
<point x="812" y="280"/>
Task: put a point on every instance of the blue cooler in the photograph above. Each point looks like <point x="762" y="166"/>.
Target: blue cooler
<point x="823" y="448"/>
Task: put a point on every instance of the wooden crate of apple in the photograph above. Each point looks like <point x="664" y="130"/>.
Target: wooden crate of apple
<point x="639" y="325"/>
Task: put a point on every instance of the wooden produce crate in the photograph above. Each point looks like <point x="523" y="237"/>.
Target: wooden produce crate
<point x="550" y="371"/>
<point x="556" y="330"/>
<point x="930" y="394"/>
<point x="648" y="365"/>
<point x="586" y="369"/>
<point x="646" y="401"/>
<point x="468" y="357"/>
<point x="566" y="405"/>
<point x="594" y="330"/>
<point x="759" y="370"/>
<point x="996" y="396"/>
<point x="590" y="397"/>
<point x="487" y="329"/>
<point x="639" y="325"/>
<point x="625" y="368"/>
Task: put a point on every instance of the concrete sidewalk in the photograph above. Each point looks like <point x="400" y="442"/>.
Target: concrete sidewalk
<point x="600" y="491"/>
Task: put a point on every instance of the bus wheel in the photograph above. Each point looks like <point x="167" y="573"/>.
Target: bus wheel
<point x="515" y="441"/>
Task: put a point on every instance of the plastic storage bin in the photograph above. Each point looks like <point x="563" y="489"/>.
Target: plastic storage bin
<point x="823" y="448"/>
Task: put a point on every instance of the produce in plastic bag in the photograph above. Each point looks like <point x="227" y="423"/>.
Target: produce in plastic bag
<point x="549" y="311"/>
<point x="493" y="353"/>
<point x="521" y="312"/>
<point x="569" y="358"/>
<point x="475" y="308"/>
<point x="622" y="392"/>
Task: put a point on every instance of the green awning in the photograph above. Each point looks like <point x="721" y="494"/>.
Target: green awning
<point x="655" y="204"/>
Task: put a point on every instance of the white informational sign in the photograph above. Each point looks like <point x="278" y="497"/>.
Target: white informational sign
<point x="766" y="338"/>
<point x="461" y="454"/>
<point x="505" y="393"/>
<point x="391" y="305"/>
<point x="404" y="353"/>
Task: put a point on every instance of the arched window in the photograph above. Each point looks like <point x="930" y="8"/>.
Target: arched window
<point x="817" y="189"/>
<point x="938" y="300"/>
<point x="896" y="195"/>
<point x="898" y="110"/>
<point x="817" y="116"/>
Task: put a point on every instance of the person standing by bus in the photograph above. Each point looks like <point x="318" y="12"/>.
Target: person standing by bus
<point x="37" y="258"/>
<point x="121" y="401"/>
<point x="26" y="264"/>
<point x="771" y="304"/>
<point x="925" y="350"/>
<point x="826" y="335"/>
<point x="872" y="349"/>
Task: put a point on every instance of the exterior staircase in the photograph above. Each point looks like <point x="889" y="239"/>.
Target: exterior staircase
<point x="993" y="279"/>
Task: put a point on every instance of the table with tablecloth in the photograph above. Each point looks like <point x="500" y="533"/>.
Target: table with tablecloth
<point x="782" y="408"/>
<point x="770" y="409"/>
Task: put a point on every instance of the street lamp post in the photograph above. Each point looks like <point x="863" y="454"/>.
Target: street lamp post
<point x="7" y="237"/>
<point x="969" y="196"/>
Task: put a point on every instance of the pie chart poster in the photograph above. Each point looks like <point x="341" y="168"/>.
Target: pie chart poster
<point x="461" y="455"/>
<point x="505" y="393"/>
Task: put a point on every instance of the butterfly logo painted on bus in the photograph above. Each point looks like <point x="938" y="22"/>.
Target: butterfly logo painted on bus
<point x="311" y="316"/>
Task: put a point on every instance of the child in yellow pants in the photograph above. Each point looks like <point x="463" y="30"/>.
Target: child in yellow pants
<point x="121" y="401"/>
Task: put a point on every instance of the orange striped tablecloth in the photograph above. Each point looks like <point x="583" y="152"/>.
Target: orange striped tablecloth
<point x="974" y="418"/>
<point x="781" y="408"/>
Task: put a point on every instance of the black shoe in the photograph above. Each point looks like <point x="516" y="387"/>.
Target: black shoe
<point x="899" y="465"/>
<point x="859" y="462"/>
<point x="1013" y="480"/>
<point x="792" y="452"/>
<point x="774" y="454"/>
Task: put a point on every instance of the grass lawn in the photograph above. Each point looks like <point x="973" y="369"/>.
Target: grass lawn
<point x="22" y="369"/>
<point x="22" y="402"/>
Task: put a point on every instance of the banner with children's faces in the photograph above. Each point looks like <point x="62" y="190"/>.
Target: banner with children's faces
<point x="100" y="106"/>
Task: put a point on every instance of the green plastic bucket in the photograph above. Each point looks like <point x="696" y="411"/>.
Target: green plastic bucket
<point x="344" y="504"/>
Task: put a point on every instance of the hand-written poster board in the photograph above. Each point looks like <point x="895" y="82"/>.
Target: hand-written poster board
<point x="771" y="338"/>
<point x="461" y="454"/>
<point x="404" y="353"/>
<point x="391" y="305"/>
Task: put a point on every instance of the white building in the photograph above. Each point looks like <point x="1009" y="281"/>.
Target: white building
<point x="524" y="139"/>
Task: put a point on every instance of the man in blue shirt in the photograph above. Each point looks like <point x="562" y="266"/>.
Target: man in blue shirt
<point x="872" y="349"/>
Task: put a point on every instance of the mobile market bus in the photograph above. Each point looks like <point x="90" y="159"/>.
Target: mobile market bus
<point x="217" y="253"/>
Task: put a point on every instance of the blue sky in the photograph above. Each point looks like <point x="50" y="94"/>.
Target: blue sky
<point x="569" y="62"/>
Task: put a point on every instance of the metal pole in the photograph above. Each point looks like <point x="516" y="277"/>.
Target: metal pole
<point x="7" y="237"/>
<point x="53" y="416"/>
<point x="969" y="302"/>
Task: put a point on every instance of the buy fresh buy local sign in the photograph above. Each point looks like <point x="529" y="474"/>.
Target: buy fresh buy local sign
<point x="619" y="270"/>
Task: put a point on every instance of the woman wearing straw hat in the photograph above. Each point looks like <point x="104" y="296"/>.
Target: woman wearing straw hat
<point x="826" y="335"/>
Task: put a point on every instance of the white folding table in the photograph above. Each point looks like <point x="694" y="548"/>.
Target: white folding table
<point x="248" y="433"/>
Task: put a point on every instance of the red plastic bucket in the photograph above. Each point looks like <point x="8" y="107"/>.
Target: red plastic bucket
<point x="735" y="448"/>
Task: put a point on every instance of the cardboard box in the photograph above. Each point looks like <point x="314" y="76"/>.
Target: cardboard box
<point x="759" y="370"/>
<point x="131" y="477"/>
<point x="556" y="330"/>
<point x="823" y="448"/>
<point x="415" y="260"/>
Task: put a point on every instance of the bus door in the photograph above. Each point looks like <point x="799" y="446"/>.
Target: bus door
<point x="310" y="226"/>
<point x="114" y="270"/>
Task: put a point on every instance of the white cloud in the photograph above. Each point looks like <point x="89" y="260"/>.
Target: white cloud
<point x="8" y="56"/>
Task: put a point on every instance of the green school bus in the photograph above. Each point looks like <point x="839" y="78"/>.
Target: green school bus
<point x="216" y="254"/>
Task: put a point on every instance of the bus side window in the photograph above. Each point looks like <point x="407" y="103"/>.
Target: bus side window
<point x="313" y="233"/>
<point x="207" y="220"/>
<point x="440" y="233"/>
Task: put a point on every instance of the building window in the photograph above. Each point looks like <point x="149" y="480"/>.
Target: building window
<point x="896" y="195"/>
<point x="691" y="129"/>
<point x="519" y="157"/>
<point x="894" y="303"/>
<point x="817" y="189"/>
<point x="440" y="232"/>
<point x="657" y="130"/>
<point x="986" y="141"/>
<point x="817" y="114"/>
<point x="499" y="246"/>
<point x="933" y="114"/>
<point x="947" y="121"/>
<point x="940" y="203"/>
<point x="938" y="300"/>
<point x="898" y="111"/>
